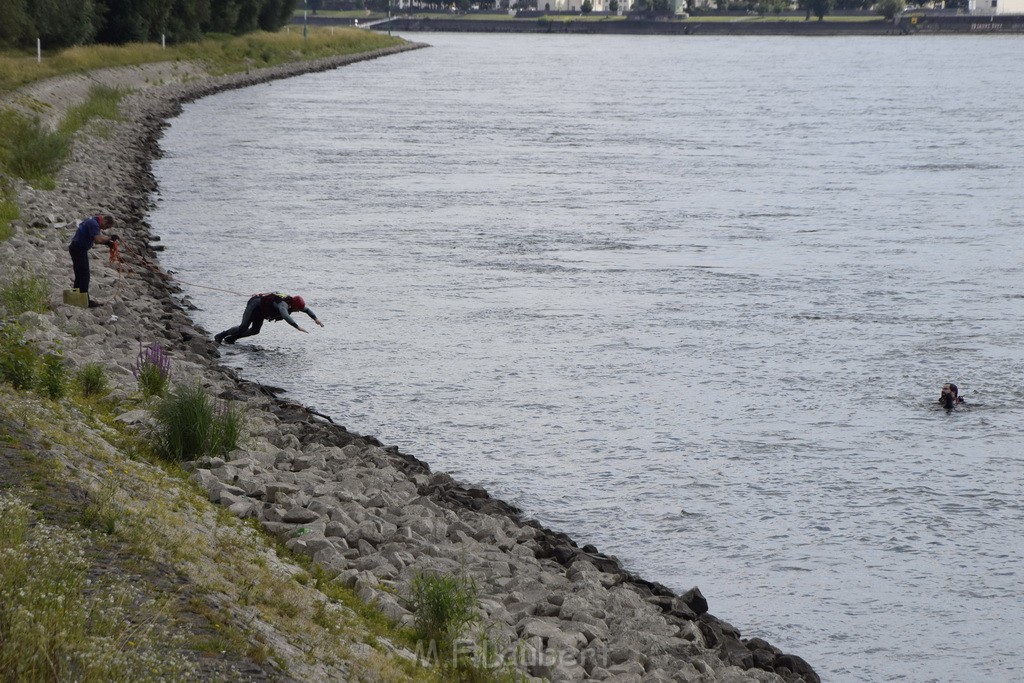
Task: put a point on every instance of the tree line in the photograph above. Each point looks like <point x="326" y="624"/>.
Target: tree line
<point x="64" y="23"/>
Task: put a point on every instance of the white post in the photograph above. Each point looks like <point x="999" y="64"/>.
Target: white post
<point x="39" y="50"/>
<point x="163" y="41"/>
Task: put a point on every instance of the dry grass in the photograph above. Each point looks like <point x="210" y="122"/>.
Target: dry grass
<point x="220" y="54"/>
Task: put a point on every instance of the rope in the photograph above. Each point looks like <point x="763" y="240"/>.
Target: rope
<point x="115" y="257"/>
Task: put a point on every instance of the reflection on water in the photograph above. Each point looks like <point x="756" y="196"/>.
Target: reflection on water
<point x="691" y="300"/>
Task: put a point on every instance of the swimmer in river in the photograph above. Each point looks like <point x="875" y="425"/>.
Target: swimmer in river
<point x="950" y="396"/>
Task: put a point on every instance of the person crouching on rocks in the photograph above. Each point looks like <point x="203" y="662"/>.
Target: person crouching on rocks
<point x="88" y="233"/>
<point x="268" y="306"/>
<point x="950" y="396"/>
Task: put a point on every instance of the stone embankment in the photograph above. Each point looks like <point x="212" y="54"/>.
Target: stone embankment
<point x="369" y="514"/>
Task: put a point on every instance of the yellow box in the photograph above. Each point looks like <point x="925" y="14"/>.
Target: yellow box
<point x="73" y="297"/>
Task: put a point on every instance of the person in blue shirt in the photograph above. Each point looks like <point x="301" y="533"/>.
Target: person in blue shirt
<point x="88" y="233"/>
<point x="270" y="306"/>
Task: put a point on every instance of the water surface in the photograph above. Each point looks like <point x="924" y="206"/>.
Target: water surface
<point x="689" y="299"/>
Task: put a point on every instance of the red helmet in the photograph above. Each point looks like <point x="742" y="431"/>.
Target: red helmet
<point x="296" y="303"/>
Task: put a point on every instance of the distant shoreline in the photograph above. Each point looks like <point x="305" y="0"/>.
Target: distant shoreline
<point x="907" y="25"/>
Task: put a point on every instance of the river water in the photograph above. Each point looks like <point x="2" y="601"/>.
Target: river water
<point x="689" y="299"/>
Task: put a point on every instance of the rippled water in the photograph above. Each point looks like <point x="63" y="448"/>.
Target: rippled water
<point x="689" y="299"/>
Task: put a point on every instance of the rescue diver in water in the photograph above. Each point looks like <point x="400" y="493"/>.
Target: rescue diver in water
<point x="950" y="396"/>
<point x="271" y="306"/>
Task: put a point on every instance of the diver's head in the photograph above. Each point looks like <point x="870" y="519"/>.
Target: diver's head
<point x="948" y="396"/>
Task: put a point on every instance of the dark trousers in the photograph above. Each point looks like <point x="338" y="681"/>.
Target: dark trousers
<point x="80" y="262"/>
<point x="252" y="321"/>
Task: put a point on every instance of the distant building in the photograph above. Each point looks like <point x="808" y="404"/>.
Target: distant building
<point x="988" y="7"/>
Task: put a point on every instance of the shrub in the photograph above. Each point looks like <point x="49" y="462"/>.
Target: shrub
<point x="444" y="606"/>
<point x="153" y="370"/>
<point x="189" y="426"/>
<point x="18" y="358"/>
<point x="25" y="293"/>
<point x="92" y="380"/>
<point x="890" y="8"/>
<point x="53" y="381"/>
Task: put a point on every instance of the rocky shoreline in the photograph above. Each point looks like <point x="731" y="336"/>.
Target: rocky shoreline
<point x="366" y="513"/>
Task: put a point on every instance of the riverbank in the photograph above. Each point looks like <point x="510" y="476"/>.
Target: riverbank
<point x="905" y="25"/>
<point x="369" y="515"/>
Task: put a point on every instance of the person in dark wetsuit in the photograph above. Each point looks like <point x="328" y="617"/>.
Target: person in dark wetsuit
<point x="87" y="234"/>
<point x="268" y="306"/>
<point x="950" y="396"/>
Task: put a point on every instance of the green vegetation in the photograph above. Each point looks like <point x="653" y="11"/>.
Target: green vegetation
<point x="18" y="358"/>
<point x="889" y="9"/>
<point x="152" y="369"/>
<point x="29" y="150"/>
<point x="9" y="210"/>
<point x="53" y="380"/>
<point x="32" y="151"/>
<point x="102" y="103"/>
<point x="190" y="426"/>
<point x="25" y="293"/>
<point x="444" y="606"/>
<point x="54" y="625"/>
<point x="220" y="54"/>
<point x="92" y="381"/>
<point x="23" y="367"/>
<point x="79" y="22"/>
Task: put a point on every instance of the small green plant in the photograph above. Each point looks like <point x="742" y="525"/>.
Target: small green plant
<point x="190" y="426"/>
<point x="153" y="370"/>
<point x="102" y="512"/>
<point x="92" y="380"/>
<point x="53" y="380"/>
<point x="444" y="606"/>
<point x="18" y="358"/>
<point x="25" y="293"/>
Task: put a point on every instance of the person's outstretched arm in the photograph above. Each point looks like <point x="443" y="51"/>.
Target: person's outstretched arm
<point x="282" y="308"/>
<point x="308" y="311"/>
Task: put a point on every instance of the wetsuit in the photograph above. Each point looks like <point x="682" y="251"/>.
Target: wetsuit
<point x="260" y="307"/>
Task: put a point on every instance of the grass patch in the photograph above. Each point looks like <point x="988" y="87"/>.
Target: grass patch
<point x="92" y="381"/>
<point x="29" y="150"/>
<point x="223" y="54"/>
<point x="18" y="358"/>
<point x="9" y="210"/>
<point x="53" y="624"/>
<point x="53" y="379"/>
<point x="142" y="520"/>
<point x="102" y="103"/>
<point x="25" y="293"/>
<point x="191" y="426"/>
<point x="444" y="606"/>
